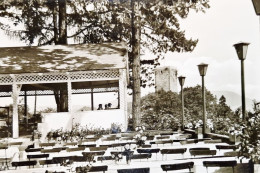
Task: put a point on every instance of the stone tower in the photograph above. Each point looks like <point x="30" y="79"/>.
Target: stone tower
<point x="166" y="79"/>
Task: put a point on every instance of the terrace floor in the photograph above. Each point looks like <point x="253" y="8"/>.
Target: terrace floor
<point x="17" y="153"/>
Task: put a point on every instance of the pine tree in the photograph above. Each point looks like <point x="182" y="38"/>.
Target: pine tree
<point x="151" y="24"/>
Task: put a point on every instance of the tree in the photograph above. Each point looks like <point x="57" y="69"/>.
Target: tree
<point x="193" y="101"/>
<point x="152" y="25"/>
<point x="161" y="110"/>
<point x="223" y="110"/>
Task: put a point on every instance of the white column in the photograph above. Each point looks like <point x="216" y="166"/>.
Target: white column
<point x="69" y="94"/>
<point x="122" y="95"/>
<point x="15" y="95"/>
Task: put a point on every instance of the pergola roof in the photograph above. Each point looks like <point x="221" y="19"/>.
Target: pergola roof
<point x="63" y="58"/>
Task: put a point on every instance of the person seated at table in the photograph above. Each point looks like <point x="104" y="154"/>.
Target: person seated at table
<point x="100" y="107"/>
<point x="106" y="107"/>
<point x="109" y="105"/>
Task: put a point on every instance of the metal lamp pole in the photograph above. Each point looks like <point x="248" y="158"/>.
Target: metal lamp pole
<point x="203" y="69"/>
<point x="241" y="49"/>
<point x="181" y="81"/>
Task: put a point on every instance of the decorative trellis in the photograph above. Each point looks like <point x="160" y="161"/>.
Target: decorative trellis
<point x="8" y="79"/>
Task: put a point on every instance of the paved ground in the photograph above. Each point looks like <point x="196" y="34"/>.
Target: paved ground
<point x="154" y="163"/>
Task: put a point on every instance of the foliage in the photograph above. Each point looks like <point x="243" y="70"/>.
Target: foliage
<point x="76" y="133"/>
<point x="140" y="137"/>
<point x="250" y="139"/>
<point x="193" y="102"/>
<point x="161" y="110"/>
<point x="102" y="21"/>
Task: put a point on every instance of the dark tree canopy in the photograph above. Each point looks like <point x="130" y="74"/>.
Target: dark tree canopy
<point x="91" y="21"/>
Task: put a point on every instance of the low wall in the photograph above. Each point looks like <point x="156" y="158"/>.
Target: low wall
<point x="97" y="119"/>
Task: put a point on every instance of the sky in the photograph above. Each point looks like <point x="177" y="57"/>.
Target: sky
<point x="227" y="22"/>
<point x="223" y="25"/>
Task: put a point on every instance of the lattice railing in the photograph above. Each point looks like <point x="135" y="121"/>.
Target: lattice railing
<point x="58" y="77"/>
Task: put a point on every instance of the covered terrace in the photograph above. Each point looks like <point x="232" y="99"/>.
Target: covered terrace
<point x="63" y="71"/>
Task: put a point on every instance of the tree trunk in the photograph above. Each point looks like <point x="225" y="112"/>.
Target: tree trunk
<point x="62" y="22"/>
<point x="61" y="38"/>
<point x="136" y="37"/>
<point x="55" y="22"/>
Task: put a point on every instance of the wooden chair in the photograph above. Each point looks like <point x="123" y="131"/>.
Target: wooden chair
<point x="177" y="166"/>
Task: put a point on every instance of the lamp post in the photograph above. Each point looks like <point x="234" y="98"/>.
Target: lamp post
<point x="203" y="70"/>
<point x="256" y="4"/>
<point x="241" y="49"/>
<point x="181" y="81"/>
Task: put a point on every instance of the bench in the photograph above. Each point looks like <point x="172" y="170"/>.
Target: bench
<point x="134" y="170"/>
<point x="15" y="143"/>
<point x="226" y="147"/>
<point x="126" y="138"/>
<point x="213" y="141"/>
<point x="152" y="150"/>
<point x="89" y="156"/>
<point x="106" y="145"/>
<point x="231" y="154"/>
<point x="227" y="163"/>
<point x="203" y="152"/>
<point x="162" y="142"/>
<point x="24" y="163"/>
<point x="28" y="150"/>
<point x="149" y="138"/>
<point x="71" y="143"/>
<point x="75" y="149"/>
<point x="199" y="148"/>
<point x="46" y="162"/>
<point x="90" y="140"/>
<point x="163" y="137"/>
<point x="37" y="156"/>
<point x="51" y="144"/>
<point x="102" y="148"/>
<point x="87" y="145"/>
<point x="91" y="169"/>
<point x="140" y="156"/>
<point x="173" y="151"/>
<point x="61" y="160"/>
<point x="53" y="150"/>
<point x="78" y="158"/>
<point x="127" y="134"/>
<point x="146" y="146"/>
<point x="189" y="141"/>
<point x="166" y="133"/>
<point x="177" y="166"/>
<point x="104" y="158"/>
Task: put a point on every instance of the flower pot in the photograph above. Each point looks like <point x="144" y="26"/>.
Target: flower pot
<point x="232" y="138"/>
